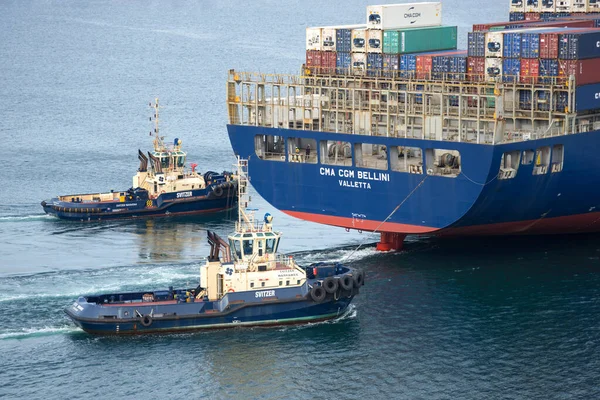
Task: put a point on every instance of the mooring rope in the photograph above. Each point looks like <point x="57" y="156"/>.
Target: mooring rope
<point x="389" y="216"/>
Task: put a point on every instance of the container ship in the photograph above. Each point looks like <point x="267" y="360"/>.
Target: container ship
<point x="391" y="128"/>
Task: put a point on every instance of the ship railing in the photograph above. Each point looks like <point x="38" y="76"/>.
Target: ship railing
<point x="381" y="106"/>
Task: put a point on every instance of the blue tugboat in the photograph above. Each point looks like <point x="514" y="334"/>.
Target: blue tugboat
<point x="244" y="282"/>
<point x="162" y="186"/>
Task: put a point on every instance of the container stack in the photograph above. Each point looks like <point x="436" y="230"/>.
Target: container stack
<point x="375" y="48"/>
<point x="534" y="10"/>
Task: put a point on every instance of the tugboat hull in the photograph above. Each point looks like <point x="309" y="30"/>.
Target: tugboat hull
<point x="285" y="307"/>
<point x="202" y="201"/>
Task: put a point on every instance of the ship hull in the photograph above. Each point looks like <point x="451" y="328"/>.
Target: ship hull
<point x="475" y="202"/>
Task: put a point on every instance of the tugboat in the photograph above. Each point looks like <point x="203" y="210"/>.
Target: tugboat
<point x="244" y="282"/>
<point x="162" y="186"/>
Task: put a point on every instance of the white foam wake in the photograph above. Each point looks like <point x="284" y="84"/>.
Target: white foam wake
<point x="36" y="332"/>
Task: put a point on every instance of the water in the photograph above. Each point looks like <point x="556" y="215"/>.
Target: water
<point x="494" y="318"/>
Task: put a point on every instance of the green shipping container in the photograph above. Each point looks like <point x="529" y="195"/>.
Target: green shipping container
<point x="419" y="40"/>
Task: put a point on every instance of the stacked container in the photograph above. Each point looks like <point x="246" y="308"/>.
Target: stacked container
<point x="323" y="45"/>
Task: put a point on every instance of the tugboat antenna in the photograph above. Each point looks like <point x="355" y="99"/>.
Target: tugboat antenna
<point x="158" y="144"/>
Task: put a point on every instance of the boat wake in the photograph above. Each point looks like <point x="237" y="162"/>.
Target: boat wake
<point x="345" y="254"/>
<point x="33" y="217"/>
<point x="26" y="333"/>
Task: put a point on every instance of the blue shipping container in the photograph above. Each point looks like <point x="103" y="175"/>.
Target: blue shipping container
<point x="408" y="65"/>
<point x="374" y="64"/>
<point x="511" y="68"/>
<point x="530" y="45"/>
<point x="342" y="63"/>
<point x="516" y="16"/>
<point x="512" y="45"/>
<point x="343" y="40"/>
<point x="391" y="65"/>
<point x="587" y="97"/>
<point x="579" y="46"/>
<point x="476" y="44"/>
<point x="548" y="69"/>
<point x="525" y="99"/>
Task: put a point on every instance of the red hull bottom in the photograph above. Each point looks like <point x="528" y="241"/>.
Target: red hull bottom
<point x="581" y="223"/>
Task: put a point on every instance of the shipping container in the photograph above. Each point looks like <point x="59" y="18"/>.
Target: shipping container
<point x="343" y="40"/>
<point x="530" y="45"/>
<point x="579" y="6"/>
<point x="548" y="45"/>
<point x="530" y="70"/>
<point x="578" y="46"/>
<point x="359" y="63"/>
<point x="587" y="97"/>
<point x="516" y="16"/>
<point x="584" y="71"/>
<point x="374" y="64"/>
<point x="391" y="65"/>
<point x="328" y="39"/>
<point x="493" y="69"/>
<point x="532" y="6"/>
<point x="408" y="65"/>
<point x="511" y="45"/>
<point x="343" y="62"/>
<point x="532" y="16"/>
<point x="511" y="69"/>
<point x="328" y="62"/>
<point x="494" y="44"/>
<point x="313" y="60"/>
<point x="313" y="38"/>
<point x="397" y="16"/>
<point x="476" y="44"/>
<point x="476" y="69"/>
<point x="359" y="40"/>
<point x="419" y="40"/>
<point x="374" y="40"/>
<point x="517" y="6"/>
<point x="563" y="6"/>
<point x="547" y="6"/>
<point x="548" y="71"/>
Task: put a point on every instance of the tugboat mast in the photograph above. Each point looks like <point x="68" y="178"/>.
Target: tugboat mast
<point x="158" y="143"/>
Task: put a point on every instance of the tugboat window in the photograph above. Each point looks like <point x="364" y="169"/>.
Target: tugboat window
<point x="248" y="247"/>
<point x="271" y="246"/>
<point x="235" y="245"/>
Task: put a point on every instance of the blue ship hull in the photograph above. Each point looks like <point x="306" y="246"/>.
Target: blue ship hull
<point x="199" y="201"/>
<point x="475" y="202"/>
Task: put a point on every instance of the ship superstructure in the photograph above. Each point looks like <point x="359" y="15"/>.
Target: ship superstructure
<point x="493" y="140"/>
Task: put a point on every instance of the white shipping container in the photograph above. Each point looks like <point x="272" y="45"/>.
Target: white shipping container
<point x="517" y="5"/>
<point x="359" y="40"/>
<point x="548" y="6"/>
<point x="409" y="15"/>
<point x="328" y="39"/>
<point x="494" y="44"/>
<point x="313" y="38"/>
<point x="374" y="41"/>
<point x="533" y="6"/>
<point x="563" y="5"/>
<point x="580" y="6"/>
<point x="359" y="63"/>
<point x="493" y="69"/>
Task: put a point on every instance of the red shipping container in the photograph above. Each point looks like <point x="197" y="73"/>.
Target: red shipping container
<point x="577" y="23"/>
<point x="476" y="69"/>
<point x="313" y="60"/>
<point x="530" y="70"/>
<point x="532" y="16"/>
<point x="424" y="64"/>
<point x="328" y="60"/>
<point x="549" y="45"/>
<point x="585" y="71"/>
